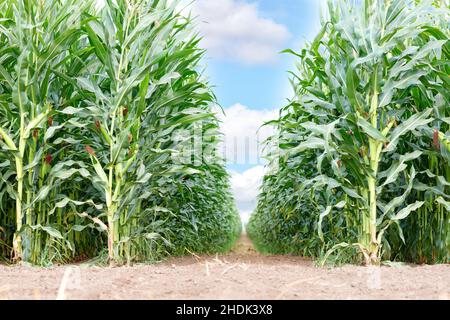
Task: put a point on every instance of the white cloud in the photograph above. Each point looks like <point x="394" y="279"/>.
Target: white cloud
<point x="245" y="188"/>
<point x="236" y="30"/>
<point x="243" y="134"/>
<point x="245" y="184"/>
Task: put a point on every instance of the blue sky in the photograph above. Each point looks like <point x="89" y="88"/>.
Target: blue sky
<point x="243" y="39"/>
<point x="266" y="86"/>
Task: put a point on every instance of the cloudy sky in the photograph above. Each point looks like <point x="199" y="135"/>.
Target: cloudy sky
<point x="244" y="38"/>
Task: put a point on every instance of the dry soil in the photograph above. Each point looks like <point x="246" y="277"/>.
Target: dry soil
<point x="241" y="274"/>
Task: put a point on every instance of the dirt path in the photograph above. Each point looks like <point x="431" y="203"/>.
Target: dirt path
<point x="241" y="274"/>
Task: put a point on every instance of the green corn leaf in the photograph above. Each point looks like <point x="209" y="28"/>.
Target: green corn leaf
<point x="67" y="201"/>
<point x="325" y="213"/>
<point x="392" y="173"/>
<point x="374" y="133"/>
<point x="446" y="204"/>
<point x="49" y="230"/>
<point x="414" y="122"/>
<point x="36" y="122"/>
<point x="100" y="172"/>
<point x="405" y="212"/>
<point x="9" y="142"/>
<point x="398" y="201"/>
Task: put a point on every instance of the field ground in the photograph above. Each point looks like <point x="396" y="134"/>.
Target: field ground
<point x="241" y="274"/>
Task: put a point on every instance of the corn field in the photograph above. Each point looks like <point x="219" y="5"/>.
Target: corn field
<point x="92" y="101"/>
<point x="363" y="173"/>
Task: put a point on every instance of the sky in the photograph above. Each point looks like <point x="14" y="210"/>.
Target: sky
<point x="243" y="39"/>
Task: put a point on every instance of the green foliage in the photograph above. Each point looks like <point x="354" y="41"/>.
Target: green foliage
<point x="363" y="174"/>
<point x="90" y="101"/>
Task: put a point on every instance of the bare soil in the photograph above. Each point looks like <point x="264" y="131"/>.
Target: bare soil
<point x="241" y="274"/>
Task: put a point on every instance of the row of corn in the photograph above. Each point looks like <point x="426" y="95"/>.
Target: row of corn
<point x="100" y="110"/>
<point x="360" y="166"/>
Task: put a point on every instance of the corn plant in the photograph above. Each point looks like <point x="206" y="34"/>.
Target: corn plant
<point x="35" y="47"/>
<point x="92" y="134"/>
<point x="351" y="129"/>
<point x="426" y="233"/>
<point x="137" y="46"/>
